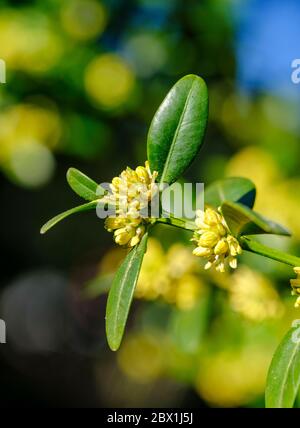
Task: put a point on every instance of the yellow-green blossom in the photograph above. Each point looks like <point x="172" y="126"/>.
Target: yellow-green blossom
<point x="295" y="284"/>
<point x="253" y="295"/>
<point x="214" y="241"/>
<point x="130" y="193"/>
<point x="171" y="276"/>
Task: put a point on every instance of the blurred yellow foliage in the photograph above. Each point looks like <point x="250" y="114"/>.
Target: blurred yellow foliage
<point x="28" y="42"/>
<point x="27" y="133"/>
<point x="253" y="295"/>
<point x="172" y="276"/>
<point x="26" y="122"/>
<point x="109" y="81"/>
<point x="141" y="357"/>
<point x="83" y="19"/>
<point x="234" y="377"/>
<point x="255" y="163"/>
<point x="277" y="196"/>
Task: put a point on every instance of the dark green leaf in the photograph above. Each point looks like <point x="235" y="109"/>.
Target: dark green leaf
<point x="62" y="216"/>
<point x="178" y="128"/>
<point x="241" y="220"/>
<point x="283" y="379"/>
<point x="121" y="294"/>
<point x="84" y="186"/>
<point x="233" y="189"/>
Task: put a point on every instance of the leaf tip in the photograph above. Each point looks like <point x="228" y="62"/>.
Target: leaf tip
<point x="113" y="346"/>
<point x="113" y="342"/>
<point x="69" y="173"/>
<point x="44" y="229"/>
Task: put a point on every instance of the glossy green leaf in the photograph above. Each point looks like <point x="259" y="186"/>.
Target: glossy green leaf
<point x="178" y="128"/>
<point x="241" y="220"/>
<point x="121" y="294"/>
<point x="233" y="189"/>
<point x="283" y="379"/>
<point x="249" y="244"/>
<point x="51" y="223"/>
<point x="84" y="186"/>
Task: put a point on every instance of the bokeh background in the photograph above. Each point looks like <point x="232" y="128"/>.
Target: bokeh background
<point x="84" y="78"/>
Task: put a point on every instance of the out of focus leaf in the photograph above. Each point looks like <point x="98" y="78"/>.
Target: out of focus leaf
<point x="97" y="286"/>
<point x="51" y="223"/>
<point x="283" y="379"/>
<point x="188" y="326"/>
<point x="241" y="220"/>
<point x="121" y="294"/>
<point x="234" y="189"/>
<point x="84" y="186"/>
<point x="178" y="128"/>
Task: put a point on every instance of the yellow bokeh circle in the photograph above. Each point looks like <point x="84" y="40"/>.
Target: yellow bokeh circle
<point x="83" y="19"/>
<point x="109" y="81"/>
<point x="28" y="43"/>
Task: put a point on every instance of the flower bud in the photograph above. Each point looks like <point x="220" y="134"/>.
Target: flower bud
<point x="112" y="223"/>
<point x="214" y="241"/>
<point x="116" y="181"/>
<point x="142" y="174"/>
<point x="297" y="270"/>
<point x="122" y="238"/>
<point x="221" y="247"/>
<point x="232" y="262"/>
<point x="202" y="252"/>
<point x="220" y="267"/>
<point x="211" y="217"/>
<point x="134" y="241"/>
<point x="208" y="239"/>
<point x="295" y="282"/>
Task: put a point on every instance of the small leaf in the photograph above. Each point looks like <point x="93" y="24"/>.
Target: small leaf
<point x="62" y="216"/>
<point x="178" y="128"/>
<point x="233" y="189"/>
<point x="121" y="294"/>
<point x="241" y="220"/>
<point x="84" y="186"/>
<point x="283" y="379"/>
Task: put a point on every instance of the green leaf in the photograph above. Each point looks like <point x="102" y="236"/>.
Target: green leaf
<point x="241" y="220"/>
<point x="188" y="327"/>
<point x="121" y="294"/>
<point x="86" y="207"/>
<point x="249" y="244"/>
<point x="283" y="379"/>
<point x="178" y="128"/>
<point x="233" y="189"/>
<point x="84" y="186"/>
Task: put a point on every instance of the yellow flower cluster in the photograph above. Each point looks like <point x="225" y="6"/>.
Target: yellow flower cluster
<point x="295" y="284"/>
<point x="214" y="241"/>
<point x="253" y="295"/>
<point x="131" y="193"/>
